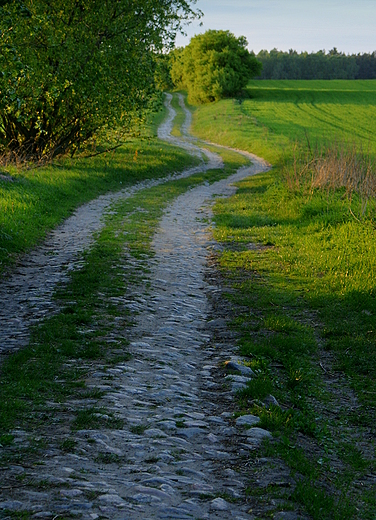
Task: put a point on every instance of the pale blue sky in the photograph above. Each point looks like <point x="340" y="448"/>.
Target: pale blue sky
<point x="304" y="25"/>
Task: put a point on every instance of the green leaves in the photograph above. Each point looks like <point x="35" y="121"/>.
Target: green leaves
<point x="213" y="66"/>
<point x="72" y="67"/>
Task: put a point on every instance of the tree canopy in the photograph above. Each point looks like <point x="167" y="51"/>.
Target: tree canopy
<point x="68" y="68"/>
<point x="214" y="65"/>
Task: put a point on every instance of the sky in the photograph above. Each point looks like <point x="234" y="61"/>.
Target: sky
<point x="302" y="25"/>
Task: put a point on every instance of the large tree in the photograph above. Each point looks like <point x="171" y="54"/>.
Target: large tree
<point x="214" y="65"/>
<point x="71" y="67"/>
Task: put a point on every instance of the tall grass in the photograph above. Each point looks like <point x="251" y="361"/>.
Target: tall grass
<point x="333" y="167"/>
<point x="349" y="168"/>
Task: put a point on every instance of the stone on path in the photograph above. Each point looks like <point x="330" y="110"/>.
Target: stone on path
<point x="257" y="435"/>
<point x="220" y="504"/>
<point x="239" y="367"/>
<point x="247" y="420"/>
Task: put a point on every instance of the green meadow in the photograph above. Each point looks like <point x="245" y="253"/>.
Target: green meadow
<point x="278" y="113"/>
<point x="305" y="291"/>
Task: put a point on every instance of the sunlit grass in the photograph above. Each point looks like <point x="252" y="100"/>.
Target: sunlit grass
<point x="306" y="290"/>
<point x="282" y="112"/>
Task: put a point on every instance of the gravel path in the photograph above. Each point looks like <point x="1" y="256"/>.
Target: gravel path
<point x="177" y="455"/>
<point x="28" y="291"/>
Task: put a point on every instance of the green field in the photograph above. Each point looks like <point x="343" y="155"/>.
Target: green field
<point x="304" y="293"/>
<point x="279" y="113"/>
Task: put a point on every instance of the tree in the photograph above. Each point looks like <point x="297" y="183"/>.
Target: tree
<point x="214" y="65"/>
<point x="69" y="68"/>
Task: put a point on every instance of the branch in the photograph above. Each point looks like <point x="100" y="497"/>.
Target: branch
<point x="104" y="151"/>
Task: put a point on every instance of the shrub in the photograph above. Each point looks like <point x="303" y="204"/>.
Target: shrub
<point x="213" y="66"/>
<point x="70" y="68"/>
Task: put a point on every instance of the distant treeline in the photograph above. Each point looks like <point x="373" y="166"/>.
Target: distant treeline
<point x="319" y="65"/>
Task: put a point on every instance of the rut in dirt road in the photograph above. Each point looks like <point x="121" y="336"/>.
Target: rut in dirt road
<point x="176" y="455"/>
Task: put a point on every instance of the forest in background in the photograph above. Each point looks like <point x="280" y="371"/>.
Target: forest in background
<point x="317" y="65"/>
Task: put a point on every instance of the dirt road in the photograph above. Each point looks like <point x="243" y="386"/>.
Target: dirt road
<point x="179" y="453"/>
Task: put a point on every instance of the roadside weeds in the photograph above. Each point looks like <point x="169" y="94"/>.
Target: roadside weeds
<point x="297" y="339"/>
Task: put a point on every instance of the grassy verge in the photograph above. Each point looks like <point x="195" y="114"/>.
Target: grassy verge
<point x="179" y="119"/>
<point x="35" y="200"/>
<point x="306" y="301"/>
<point x="300" y="267"/>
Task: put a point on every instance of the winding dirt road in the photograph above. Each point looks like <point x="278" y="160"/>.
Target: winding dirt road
<point x="28" y="291"/>
<point x="179" y="453"/>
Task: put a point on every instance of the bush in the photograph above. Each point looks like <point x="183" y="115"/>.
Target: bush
<point x="71" y="68"/>
<point x="213" y="66"/>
